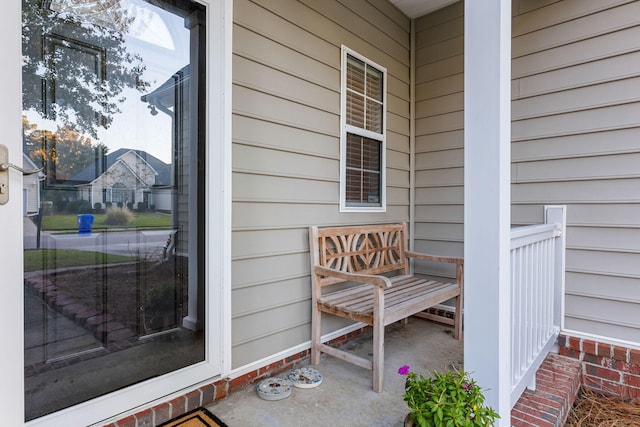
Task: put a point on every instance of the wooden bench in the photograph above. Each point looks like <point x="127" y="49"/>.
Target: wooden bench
<point x="366" y="256"/>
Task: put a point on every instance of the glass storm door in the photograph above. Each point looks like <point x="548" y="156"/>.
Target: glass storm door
<point x="113" y="112"/>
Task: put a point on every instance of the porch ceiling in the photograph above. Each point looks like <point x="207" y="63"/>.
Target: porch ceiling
<point x="416" y="8"/>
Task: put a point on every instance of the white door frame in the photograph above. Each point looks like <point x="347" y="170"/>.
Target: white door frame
<point x="217" y="227"/>
<point x="11" y="260"/>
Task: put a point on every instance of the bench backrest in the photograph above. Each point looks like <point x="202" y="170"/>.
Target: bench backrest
<point x="364" y="249"/>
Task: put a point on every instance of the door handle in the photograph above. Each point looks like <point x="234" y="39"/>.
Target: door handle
<point x="5" y="165"/>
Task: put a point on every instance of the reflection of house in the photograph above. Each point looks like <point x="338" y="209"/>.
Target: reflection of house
<point x="170" y="96"/>
<point x="129" y="177"/>
<point x="173" y="99"/>
<point x="30" y="188"/>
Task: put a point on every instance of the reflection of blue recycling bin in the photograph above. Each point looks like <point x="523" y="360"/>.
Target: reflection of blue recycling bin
<point x="85" y="222"/>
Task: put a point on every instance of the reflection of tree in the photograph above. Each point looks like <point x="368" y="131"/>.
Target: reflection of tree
<point x="75" y="62"/>
<point x="65" y="152"/>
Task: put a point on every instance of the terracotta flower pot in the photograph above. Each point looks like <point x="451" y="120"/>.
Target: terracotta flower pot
<point x="407" y="421"/>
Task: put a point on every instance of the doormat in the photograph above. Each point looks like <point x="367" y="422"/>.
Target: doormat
<point x="199" y="417"/>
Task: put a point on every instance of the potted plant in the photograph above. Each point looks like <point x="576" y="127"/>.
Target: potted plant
<point x="446" y="399"/>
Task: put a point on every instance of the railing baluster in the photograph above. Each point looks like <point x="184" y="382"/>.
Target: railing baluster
<point x="535" y="287"/>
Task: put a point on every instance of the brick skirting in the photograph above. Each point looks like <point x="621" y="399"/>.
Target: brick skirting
<point x="557" y="383"/>
<point x="607" y="369"/>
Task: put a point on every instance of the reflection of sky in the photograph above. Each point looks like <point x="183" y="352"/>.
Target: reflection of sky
<point x="148" y="25"/>
<point x="163" y="42"/>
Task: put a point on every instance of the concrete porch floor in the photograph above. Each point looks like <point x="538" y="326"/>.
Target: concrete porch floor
<point x="345" y="397"/>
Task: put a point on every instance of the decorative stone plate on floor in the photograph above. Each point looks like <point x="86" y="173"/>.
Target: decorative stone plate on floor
<point x="274" y="388"/>
<point x="305" y="377"/>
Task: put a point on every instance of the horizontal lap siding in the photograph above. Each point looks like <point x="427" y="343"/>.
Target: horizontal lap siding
<point x="439" y="160"/>
<point x="286" y="151"/>
<point x="576" y="141"/>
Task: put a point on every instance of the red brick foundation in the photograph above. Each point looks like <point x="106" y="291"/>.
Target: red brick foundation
<point x="557" y="383"/>
<point x="209" y="393"/>
<point x="607" y="369"/>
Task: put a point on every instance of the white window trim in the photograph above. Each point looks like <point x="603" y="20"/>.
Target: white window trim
<point x="344" y="129"/>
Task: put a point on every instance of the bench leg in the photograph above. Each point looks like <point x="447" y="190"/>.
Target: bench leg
<point x="378" y="355"/>
<point x="457" y="319"/>
<point x="316" y="335"/>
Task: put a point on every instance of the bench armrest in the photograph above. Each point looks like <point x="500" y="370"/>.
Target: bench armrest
<point x="370" y="279"/>
<point x="458" y="261"/>
<point x="427" y="257"/>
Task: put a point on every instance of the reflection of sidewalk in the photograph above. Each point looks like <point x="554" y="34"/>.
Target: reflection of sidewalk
<point x="66" y="363"/>
<point x="58" y="326"/>
<point x="50" y="335"/>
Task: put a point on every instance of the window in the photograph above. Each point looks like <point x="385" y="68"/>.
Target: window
<point x="119" y="193"/>
<point x="362" y="138"/>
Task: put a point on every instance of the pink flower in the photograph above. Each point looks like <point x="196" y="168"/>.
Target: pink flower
<point x="404" y="370"/>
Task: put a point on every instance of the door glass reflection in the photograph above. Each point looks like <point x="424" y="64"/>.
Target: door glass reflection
<point x="113" y="113"/>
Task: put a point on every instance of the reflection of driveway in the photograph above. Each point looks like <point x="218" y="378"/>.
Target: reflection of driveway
<point x="142" y="243"/>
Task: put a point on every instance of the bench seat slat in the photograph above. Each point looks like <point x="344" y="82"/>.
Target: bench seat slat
<point x="403" y="297"/>
<point x="362" y="301"/>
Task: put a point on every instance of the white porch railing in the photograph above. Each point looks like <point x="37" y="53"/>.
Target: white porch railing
<point x="537" y="295"/>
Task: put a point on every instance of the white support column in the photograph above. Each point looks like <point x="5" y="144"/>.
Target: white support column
<point x="487" y="200"/>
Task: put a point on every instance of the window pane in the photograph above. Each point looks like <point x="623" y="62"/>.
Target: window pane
<point x="354" y="151"/>
<point x="355" y="109"/>
<point x="371" y="187"/>
<point x="374" y="84"/>
<point x="364" y="96"/>
<point x="354" y="180"/>
<point x="363" y="171"/>
<point x="355" y="74"/>
<point x="370" y="154"/>
<point x="374" y="116"/>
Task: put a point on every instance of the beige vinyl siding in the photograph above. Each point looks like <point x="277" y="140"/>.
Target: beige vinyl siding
<point x="286" y="152"/>
<point x="439" y="141"/>
<point x="576" y="128"/>
<point x="575" y="141"/>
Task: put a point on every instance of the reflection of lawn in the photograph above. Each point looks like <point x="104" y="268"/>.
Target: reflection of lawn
<point x="70" y="221"/>
<point x="47" y="259"/>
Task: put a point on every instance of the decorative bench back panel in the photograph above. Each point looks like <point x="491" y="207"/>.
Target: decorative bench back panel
<point x="370" y="249"/>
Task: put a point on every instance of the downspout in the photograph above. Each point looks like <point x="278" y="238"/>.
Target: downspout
<point x="412" y="138"/>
